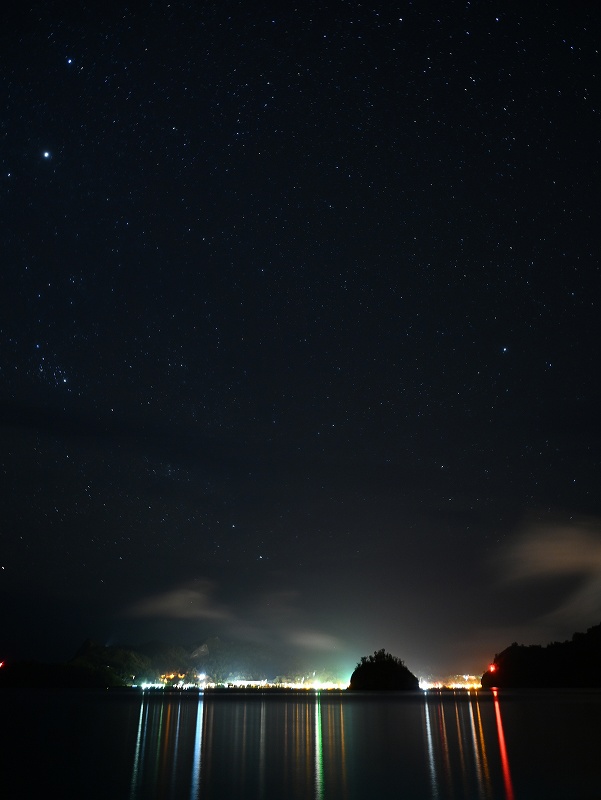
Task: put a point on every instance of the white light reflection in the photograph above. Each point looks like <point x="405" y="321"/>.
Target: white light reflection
<point x="136" y="770"/>
<point x="318" y="750"/>
<point x="176" y="747"/>
<point x="463" y="751"/>
<point x="431" y="762"/>
<point x="262" y="743"/>
<point x="197" y="758"/>
<point x="476" y="749"/>
<point x="456" y="748"/>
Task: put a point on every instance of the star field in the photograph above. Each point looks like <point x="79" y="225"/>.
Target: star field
<point x="298" y="303"/>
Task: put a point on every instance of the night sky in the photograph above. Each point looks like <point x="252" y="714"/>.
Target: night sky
<point x="299" y="326"/>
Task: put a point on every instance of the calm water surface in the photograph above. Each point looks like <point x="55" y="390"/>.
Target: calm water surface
<point x="319" y="746"/>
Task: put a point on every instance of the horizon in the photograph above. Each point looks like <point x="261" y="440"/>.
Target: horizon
<point x="338" y="674"/>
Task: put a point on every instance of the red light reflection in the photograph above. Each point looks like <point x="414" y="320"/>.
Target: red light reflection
<point x="503" y="750"/>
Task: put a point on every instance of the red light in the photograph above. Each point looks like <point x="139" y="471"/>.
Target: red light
<point x="492" y="667"/>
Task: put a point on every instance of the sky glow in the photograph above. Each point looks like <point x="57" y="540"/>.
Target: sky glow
<point x="300" y="329"/>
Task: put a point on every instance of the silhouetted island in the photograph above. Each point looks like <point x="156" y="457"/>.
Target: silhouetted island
<point x="572" y="664"/>
<point x="382" y="671"/>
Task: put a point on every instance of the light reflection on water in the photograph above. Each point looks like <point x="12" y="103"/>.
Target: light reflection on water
<point x="459" y="751"/>
<point x="318" y="745"/>
<point x="503" y="748"/>
<point x="300" y="746"/>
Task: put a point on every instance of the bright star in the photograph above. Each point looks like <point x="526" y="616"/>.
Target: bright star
<point x="46" y="154"/>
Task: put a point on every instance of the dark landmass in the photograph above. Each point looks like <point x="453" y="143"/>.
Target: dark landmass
<point x="575" y="663"/>
<point x="36" y="675"/>
<point x="220" y="660"/>
<point x="133" y="664"/>
<point x="382" y="672"/>
<point x="96" y="665"/>
<point x="146" y="663"/>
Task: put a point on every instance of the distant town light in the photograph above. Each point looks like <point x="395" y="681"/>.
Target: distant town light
<point x="467" y="682"/>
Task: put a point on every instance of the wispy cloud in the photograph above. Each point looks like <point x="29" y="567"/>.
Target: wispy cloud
<point x="562" y="549"/>
<point x="264" y="617"/>
<point x="194" y="601"/>
<point x="314" y="640"/>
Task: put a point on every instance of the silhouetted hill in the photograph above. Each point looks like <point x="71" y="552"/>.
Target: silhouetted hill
<point x="126" y="662"/>
<point x="382" y="671"/>
<point x="575" y="663"/>
<point x="34" y="675"/>
<point x="219" y="659"/>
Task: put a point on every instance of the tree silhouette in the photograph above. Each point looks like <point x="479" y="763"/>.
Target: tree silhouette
<point x="574" y="664"/>
<point x="382" y="671"/>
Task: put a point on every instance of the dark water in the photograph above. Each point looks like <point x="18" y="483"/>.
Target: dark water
<point x="311" y="745"/>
